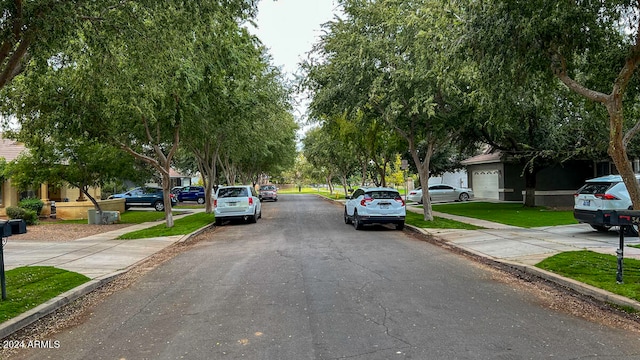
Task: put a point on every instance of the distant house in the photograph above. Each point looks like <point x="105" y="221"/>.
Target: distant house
<point x="11" y="196"/>
<point x="494" y="176"/>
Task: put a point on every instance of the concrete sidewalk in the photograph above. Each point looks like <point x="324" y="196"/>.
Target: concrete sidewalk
<point x="95" y="256"/>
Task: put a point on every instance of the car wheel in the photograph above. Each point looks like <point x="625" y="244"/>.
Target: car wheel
<point x="420" y="201"/>
<point x="400" y="225"/>
<point x="200" y="201"/>
<point x="464" y="197"/>
<point x="276" y="199"/>
<point x="158" y="205"/>
<point x="218" y="222"/>
<point x="601" y="228"/>
<point x="356" y="221"/>
<point x="347" y="220"/>
<point x="254" y="219"/>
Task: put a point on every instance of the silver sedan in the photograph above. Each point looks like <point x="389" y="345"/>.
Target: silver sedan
<point x="441" y="193"/>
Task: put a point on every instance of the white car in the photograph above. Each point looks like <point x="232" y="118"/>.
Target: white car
<point x="237" y="202"/>
<point x="597" y="198"/>
<point x="441" y="193"/>
<point x="375" y="206"/>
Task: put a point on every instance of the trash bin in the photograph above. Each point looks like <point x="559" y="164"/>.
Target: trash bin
<point x="53" y="210"/>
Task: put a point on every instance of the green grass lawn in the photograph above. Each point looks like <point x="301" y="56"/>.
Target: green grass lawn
<point x="509" y="213"/>
<point x="417" y="220"/>
<point x="598" y="270"/>
<point x="183" y="226"/>
<point x="30" y="286"/>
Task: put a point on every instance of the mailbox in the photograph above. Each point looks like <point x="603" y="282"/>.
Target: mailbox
<point x="624" y="217"/>
<point x="18" y="226"/>
<point x="5" y="228"/>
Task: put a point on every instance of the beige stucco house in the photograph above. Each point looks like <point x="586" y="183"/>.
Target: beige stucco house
<point x="69" y="202"/>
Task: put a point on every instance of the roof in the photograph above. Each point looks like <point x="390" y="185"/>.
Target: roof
<point x="487" y="158"/>
<point x="10" y="149"/>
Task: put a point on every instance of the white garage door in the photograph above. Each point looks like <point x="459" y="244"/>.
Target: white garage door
<point x="485" y="184"/>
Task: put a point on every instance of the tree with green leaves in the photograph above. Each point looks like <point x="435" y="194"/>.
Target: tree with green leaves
<point x="136" y="90"/>
<point x="391" y="60"/>
<point x="592" y="48"/>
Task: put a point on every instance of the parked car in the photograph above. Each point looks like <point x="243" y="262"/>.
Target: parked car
<point x="147" y="196"/>
<point x="598" y="197"/>
<point x="268" y="192"/>
<point x="192" y="193"/>
<point x="176" y="190"/>
<point x="441" y="193"/>
<point x="377" y="205"/>
<point x="237" y="202"/>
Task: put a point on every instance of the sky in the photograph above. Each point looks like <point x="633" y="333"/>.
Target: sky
<point x="289" y="28"/>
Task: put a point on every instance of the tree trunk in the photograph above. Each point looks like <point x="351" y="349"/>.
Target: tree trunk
<point x="423" y="171"/>
<point x="618" y="151"/>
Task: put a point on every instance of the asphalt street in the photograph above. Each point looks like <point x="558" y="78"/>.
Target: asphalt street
<point x="300" y="284"/>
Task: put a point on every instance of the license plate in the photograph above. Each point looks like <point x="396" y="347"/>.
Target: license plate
<point x="586" y="203"/>
<point x="232" y="204"/>
<point x="384" y="205"/>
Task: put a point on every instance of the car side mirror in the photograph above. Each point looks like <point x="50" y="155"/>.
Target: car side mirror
<point x="348" y="197"/>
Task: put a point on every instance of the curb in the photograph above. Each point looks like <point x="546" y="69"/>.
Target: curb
<point x="30" y="316"/>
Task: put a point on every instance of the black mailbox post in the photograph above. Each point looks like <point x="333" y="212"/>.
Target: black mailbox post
<point x="14" y="226"/>
<point x="5" y="230"/>
<point x="623" y="218"/>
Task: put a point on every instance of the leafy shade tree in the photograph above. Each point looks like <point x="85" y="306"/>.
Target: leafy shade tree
<point x="36" y="30"/>
<point x="592" y="47"/>
<point x="531" y="123"/>
<point x="391" y="60"/>
<point x="134" y="91"/>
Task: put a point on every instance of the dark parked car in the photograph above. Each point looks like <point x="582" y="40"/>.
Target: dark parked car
<point x="192" y="193"/>
<point x="144" y="197"/>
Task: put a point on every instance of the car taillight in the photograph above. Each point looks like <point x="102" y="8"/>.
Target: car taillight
<point x="399" y="199"/>
<point x="366" y="199"/>
<point x="250" y="201"/>
<point x="215" y="203"/>
<point x="606" y="197"/>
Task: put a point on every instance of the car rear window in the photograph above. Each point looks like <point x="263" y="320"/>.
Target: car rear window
<point x="383" y="194"/>
<point x="233" y="192"/>
<point x="595" y="188"/>
<point x="267" y="187"/>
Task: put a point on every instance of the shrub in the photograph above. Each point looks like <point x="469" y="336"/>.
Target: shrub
<point x="29" y="216"/>
<point x="34" y="204"/>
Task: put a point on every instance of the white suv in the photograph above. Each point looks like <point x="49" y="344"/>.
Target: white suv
<point x="596" y="199"/>
<point x="237" y="202"/>
<point x="375" y="206"/>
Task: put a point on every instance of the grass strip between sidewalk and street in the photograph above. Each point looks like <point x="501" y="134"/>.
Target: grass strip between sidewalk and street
<point x="183" y="226"/>
<point x="417" y="220"/>
<point x="597" y="270"/>
<point x="30" y="286"/>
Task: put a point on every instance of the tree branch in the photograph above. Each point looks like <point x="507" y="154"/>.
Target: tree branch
<point x="561" y="73"/>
